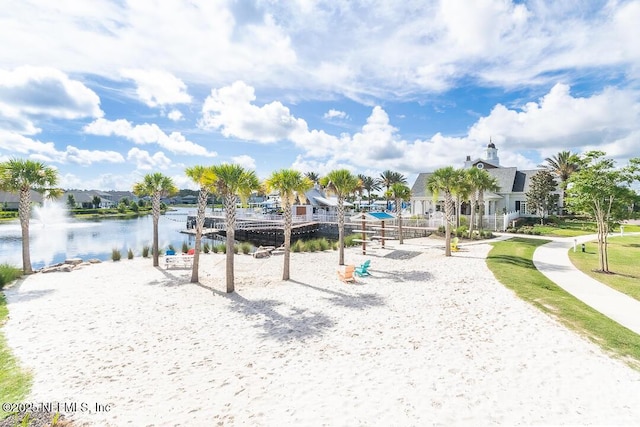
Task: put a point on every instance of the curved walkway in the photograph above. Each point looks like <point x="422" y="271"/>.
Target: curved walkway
<point x="552" y="260"/>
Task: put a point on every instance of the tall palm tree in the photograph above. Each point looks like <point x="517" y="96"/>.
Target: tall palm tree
<point x="462" y="192"/>
<point x="388" y="178"/>
<point x="204" y="177"/>
<point x="232" y="181"/>
<point x="484" y="182"/>
<point x="446" y="181"/>
<point x="563" y="165"/>
<point x="400" y="193"/>
<point x="369" y="184"/>
<point x="341" y="183"/>
<point x="290" y="184"/>
<point x="157" y="186"/>
<point x="21" y="176"/>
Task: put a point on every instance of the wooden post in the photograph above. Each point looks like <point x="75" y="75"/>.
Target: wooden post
<point x="364" y="237"/>
<point x="382" y="234"/>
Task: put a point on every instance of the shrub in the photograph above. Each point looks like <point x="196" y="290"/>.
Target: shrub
<point x="206" y="248"/>
<point x="245" y="247"/>
<point x="298" y="246"/>
<point x="8" y="274"/>
<point x="312" y="245"/>
<point x="145" y="251"/>
<point x="115" y="254"/>
<point x="461" y="231"/>
<point x="236" y="249"/>
<point x="223" y="248"/>
<point x="348" y="240"/>
<point x="129" y="254"/>
<point x="185" y="247"/>
<point x="323" y="244"/>
<point x="334" y="245"/>
<point x="463" y="221"/>
<point x="442" y="229"/>
<point x="215" y="248"/>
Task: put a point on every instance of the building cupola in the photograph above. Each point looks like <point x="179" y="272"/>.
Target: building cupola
<point x="492" y="154"/>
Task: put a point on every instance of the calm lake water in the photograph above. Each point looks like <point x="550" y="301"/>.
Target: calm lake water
<point x="54" y="238"/>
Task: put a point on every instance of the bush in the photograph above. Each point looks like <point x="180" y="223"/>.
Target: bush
<point x="115" y="254"/>
<point x="245" y="247"/>
<point x="461" y="231"/>
<point x="145" y="251"/>
<point x="206" y="248"/>
<point x="236" y="249"/>
<point x="312" y="245"/>
<point x="8" y="274"/>
<point x="463" y="221"/>
<point x="129" y="254"/>
<point x="223" y="248"/>
<point x="185" y="247"/>
<point x="298" y="246"/>
<point x="215" y="248"/>
<point x="334" y="245"/>
<point x="348" y="240"/>
<point x="323" y="244"/>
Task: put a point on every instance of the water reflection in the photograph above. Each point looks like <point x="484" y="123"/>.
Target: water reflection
<point x="54" y="242"/>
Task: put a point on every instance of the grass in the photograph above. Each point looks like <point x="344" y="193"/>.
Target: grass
<point x="624" y="252"/>
<point x="576" y="228"/>
<point x="512" y="264"/>
<point x="14" y="381"/>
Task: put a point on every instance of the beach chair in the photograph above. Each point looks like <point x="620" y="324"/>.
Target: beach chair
<point x="170" y="252"/>
<point x="363" y="269"/>
<point x="191" y="251"/>
<point x="347" y="275"/>
<point x="454" y="244"/>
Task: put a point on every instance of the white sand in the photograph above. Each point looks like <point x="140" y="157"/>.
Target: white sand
<point x="424" y="341"/>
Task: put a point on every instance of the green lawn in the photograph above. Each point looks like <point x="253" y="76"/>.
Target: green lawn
<point x="576" y="228"/>
<point x="511" y="262"/>
<point x="624" y="261"/>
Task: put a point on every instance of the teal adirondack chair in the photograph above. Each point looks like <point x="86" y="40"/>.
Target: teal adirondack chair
<point x="363" y="269"/>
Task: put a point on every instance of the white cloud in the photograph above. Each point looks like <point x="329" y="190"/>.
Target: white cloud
<point x="28" y="94"/>
<point x="230" y="110"/>
<point x="245" y="161"/>
<point x="335" y="114"/>
<point x="146" y="161"/>
<point x="158" y="88"/>
<point x="147" y="134"/>
<point x="175" y="115"/>
<point x="560" y="118"/>
<point x="47" y="151"/>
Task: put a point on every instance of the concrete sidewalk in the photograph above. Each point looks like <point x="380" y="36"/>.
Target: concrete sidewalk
<point x="552" y="260"/>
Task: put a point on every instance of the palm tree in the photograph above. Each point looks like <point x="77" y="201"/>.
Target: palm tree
<point x="563" y="165"/>
<point x="370" y="184"/>
<point x="445" y="180"/>
<point x="204" y="177"/>
<point x="289" y="183"/>
<point x="484" y="182"/>
<point x="462" y="192"/>
<point x="388" y="178"/>
<point x="231" y="181"/>
<point x="400" y="193"/>
<point x="341" y="183"/>
<point x="21" y="176"/>
<point x="157" y="186"/>
<point x="313" y="177"/>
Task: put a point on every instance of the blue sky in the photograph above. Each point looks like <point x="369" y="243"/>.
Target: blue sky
<point x="107" y="91"/>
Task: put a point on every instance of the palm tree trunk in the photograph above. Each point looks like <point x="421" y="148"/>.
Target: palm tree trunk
<point x="287" y="238"/>
<point x="399" y="212"/>
<point x="341" y="229"/>
<point x="156" y="217"/>
<point x="24" y="211"/>
<point x="448" y="214"/>
<point x="473" y="201"/>
<point x="202" y="205"/>
<point x="230" y="209"/>
<point x="481" y="210"/>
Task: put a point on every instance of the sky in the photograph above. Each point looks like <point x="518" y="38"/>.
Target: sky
<point x="108" y="91"/>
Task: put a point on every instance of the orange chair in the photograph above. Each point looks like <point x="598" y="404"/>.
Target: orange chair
<point x="191" y="251"/>
<point x="347" y="275"/>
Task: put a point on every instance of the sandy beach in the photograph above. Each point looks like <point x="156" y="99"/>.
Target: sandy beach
<point x="425" y="340"/>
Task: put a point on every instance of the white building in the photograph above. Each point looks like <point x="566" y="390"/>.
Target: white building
<point x="511" y="197"/>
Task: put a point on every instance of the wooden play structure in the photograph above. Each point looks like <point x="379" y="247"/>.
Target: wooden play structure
<point x="372" y="227"/>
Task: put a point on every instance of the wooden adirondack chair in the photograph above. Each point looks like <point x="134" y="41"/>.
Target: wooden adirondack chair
<point x="347" y="275"/>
